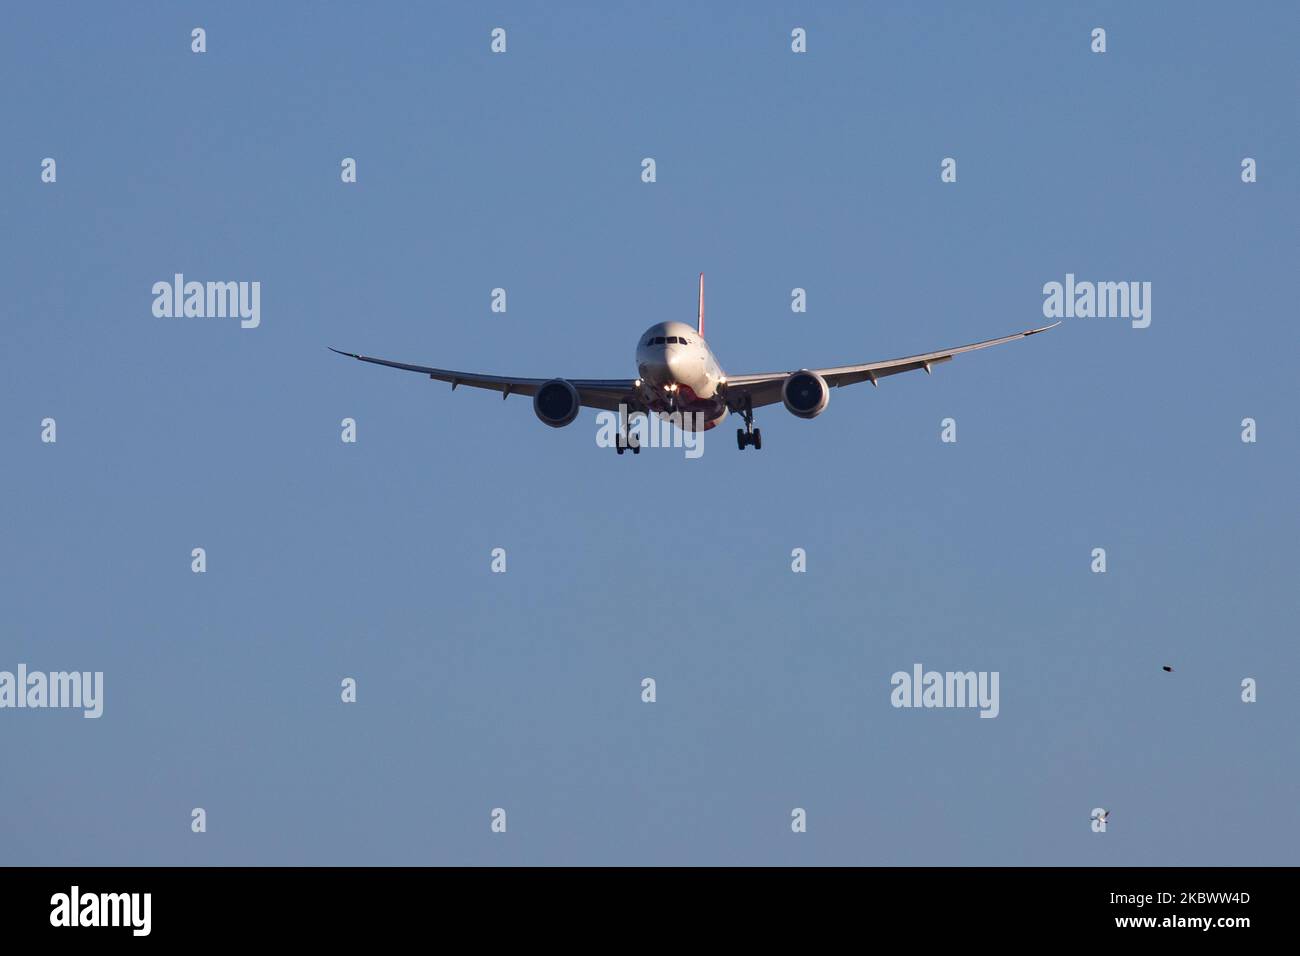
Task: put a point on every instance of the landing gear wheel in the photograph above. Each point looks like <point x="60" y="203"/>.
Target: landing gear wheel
<point x="636" y="448"/>
<point x="618" y="443"/>
<point x="749" y="435"/>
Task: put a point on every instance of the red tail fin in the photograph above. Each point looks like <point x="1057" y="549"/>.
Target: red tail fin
<point x="700" y="326"/>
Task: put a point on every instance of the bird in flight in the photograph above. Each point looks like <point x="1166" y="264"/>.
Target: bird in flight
<point x="679" y="378"/>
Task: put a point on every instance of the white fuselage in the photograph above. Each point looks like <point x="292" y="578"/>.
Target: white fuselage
<point x="678" y="373"/>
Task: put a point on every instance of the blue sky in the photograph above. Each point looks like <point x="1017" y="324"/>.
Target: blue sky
<point x="522" y="690"/>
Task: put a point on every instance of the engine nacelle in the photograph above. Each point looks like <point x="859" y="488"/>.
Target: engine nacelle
<point x="556" y="402"/>
<point x="805" y="394"/>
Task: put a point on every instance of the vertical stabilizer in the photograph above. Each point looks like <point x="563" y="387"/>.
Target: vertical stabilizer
<point x="700" y="326"/>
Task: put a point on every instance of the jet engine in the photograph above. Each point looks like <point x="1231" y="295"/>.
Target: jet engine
<point x="556" y="402"/>
<point x="805" y="394"/>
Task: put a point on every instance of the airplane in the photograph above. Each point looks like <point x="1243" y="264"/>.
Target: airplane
<point x="679" y="378"/>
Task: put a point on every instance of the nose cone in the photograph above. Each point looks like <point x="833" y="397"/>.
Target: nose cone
<point x="677" y="362"/>
<point x="654" y="370"/>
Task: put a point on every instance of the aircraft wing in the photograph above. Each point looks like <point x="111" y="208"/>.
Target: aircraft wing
<point x="606" y="393"/>
<point x="765" y="388"/>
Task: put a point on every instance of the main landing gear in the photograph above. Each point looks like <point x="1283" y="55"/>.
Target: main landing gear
<point x="749" y="435"/>
<point x="623" y="441"/>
